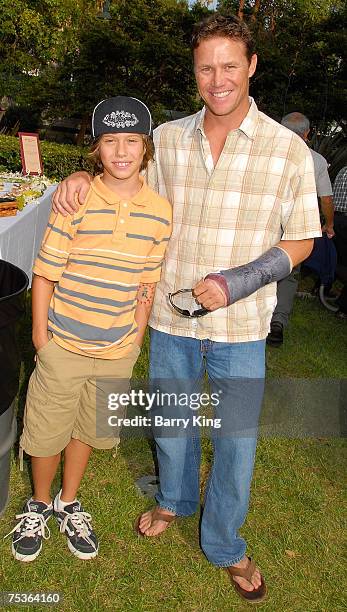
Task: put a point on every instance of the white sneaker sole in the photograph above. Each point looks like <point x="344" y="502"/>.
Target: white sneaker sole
<point x="82" y="555"/>
<point x="25" y="558"/>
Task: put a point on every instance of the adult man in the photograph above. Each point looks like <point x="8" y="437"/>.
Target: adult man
<point x="340" y="203"/>
<point x="234" y="177"/>
<point x="286" y="288"/>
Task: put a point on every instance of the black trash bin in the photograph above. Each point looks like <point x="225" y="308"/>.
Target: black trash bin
<point x="13" y="286"/>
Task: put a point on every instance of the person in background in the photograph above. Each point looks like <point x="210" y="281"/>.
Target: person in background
<point x="340" y="226"/>
<point x="286" y="288"/>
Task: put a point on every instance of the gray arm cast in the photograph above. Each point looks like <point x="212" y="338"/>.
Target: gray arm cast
<point x="244" y="280"/>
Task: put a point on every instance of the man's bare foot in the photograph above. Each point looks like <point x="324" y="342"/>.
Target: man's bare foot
<point x="152" y="523"/>
<point x="245" y="584"/>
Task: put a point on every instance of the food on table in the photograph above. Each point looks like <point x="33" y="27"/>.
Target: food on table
<point x="8" y="207"/>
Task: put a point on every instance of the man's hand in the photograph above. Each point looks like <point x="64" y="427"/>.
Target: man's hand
<point x="209" y="294"/>
<point x="75" y="186"/>
<point x="329" y="230"/>
<point x="327" y="208"/>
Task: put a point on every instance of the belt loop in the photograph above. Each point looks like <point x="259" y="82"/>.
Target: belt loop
<point x="206" y="345"/>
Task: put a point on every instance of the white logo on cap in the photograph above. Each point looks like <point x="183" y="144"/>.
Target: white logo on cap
<point x="120" y="119"/>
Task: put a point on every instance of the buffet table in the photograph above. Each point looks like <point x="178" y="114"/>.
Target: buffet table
<point x="21" y="235"/>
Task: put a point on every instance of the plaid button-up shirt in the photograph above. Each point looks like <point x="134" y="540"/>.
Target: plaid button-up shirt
<point x="340" y="191"/>
<point x="262" y="189"/>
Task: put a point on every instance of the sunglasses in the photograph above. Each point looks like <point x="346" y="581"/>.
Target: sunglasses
<point x="183" y="311"/>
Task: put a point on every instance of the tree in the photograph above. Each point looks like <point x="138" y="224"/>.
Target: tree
<point x="78" y="58"/>
<point x="142" y="50"/>
<point x="35" y="37"/>
<point x="301" y="65"/>
<point x="60" y="57"/>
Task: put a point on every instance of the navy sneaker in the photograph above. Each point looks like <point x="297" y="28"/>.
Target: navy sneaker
<point x="31" y="530"/>
<point x="76" y="524"/>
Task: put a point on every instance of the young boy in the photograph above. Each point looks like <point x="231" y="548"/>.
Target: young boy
<point x="93" y="288"/>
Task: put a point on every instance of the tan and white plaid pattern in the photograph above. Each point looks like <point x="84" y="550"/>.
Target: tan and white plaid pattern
<point x="261" y="189"/>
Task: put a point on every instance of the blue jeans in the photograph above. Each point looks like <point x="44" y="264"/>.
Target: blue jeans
<point x="185" y="361"/>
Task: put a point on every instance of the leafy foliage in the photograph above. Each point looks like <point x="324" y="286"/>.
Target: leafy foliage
<point x="142" y="50"/>
<point x="58" y="160"/>
<point x="75" y="58"/>
<point x="60" y="57"/>
<point x="301" y="60"/>
<point x="333" y="148"/>
<point x="36" y="35"/>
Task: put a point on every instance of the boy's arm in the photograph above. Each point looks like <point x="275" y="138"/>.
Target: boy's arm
<point x="42" y="290"/>
<point x="55" y="248"/>
<point x="152" y="270"/>
<point x="145" y="297"/>
<point x="49" y="265"/>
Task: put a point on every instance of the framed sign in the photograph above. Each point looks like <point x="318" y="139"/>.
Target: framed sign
<point x="30" y="153"/>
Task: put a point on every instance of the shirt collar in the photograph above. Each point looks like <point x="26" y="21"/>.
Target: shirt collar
<point x="142" y="197"/>
<point x="250" y="122"/>
<point x="248" y="125"/>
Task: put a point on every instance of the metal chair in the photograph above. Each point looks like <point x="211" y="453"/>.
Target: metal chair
<point x="322" y="261"/>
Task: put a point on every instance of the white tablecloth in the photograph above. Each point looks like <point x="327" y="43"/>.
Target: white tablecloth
<point x="21" y="236"/>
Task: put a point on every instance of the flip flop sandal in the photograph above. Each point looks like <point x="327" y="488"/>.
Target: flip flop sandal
<point x="255" y="596"/>
<point x="158" y="514"/>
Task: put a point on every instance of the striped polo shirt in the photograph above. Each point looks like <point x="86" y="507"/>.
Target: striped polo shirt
<point x="98" y="257"/>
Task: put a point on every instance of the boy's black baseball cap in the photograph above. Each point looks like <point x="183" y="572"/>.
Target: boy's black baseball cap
<point x="121" y="114"/>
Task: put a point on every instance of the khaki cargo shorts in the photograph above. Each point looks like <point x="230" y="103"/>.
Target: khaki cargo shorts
<point x="64" y="399"/>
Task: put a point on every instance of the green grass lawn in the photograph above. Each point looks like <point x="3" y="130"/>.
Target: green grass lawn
<point x="294" y="527"/>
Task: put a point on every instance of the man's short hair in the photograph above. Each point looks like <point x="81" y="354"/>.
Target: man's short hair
<point x="296" y="122"/>
<point x="227" y="27"/>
